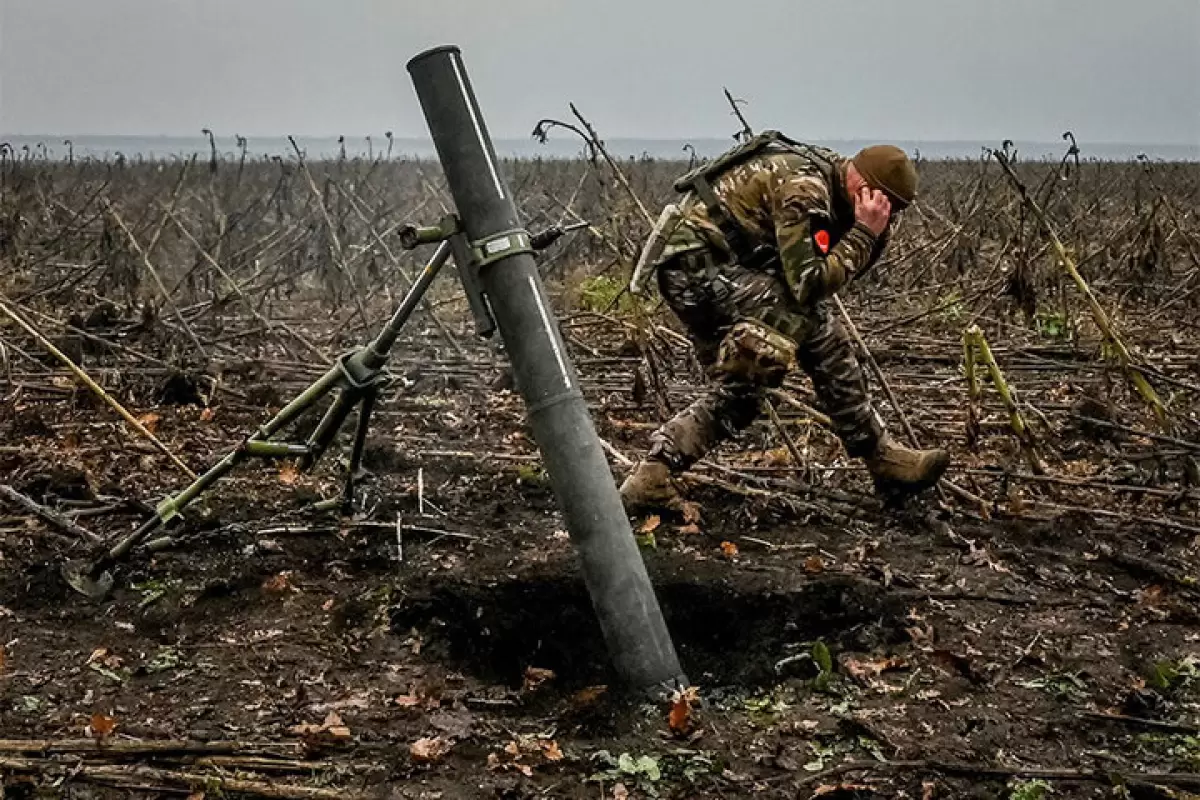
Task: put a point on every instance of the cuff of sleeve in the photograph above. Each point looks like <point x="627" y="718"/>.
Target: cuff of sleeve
<point x="864" y="234"/>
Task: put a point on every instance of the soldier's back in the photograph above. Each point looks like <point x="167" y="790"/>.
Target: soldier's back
<point x="754" y="192"/>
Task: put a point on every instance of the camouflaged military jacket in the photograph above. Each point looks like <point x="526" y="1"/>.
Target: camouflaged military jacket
<point x="795" y="205"/>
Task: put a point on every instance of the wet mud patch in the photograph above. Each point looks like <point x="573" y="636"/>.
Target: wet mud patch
<point x="726" y="632"/>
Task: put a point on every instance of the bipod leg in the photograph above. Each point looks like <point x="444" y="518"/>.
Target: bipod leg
<point x="331" y="423"/>
<point x="94" y="579"/>
<point x="355" y="373"/>
<point x="346" y="501"/>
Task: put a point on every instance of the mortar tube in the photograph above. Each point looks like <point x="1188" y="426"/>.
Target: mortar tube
<point x="635" y="632"/>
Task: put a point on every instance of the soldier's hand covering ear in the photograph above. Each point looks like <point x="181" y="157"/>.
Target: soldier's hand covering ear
<point x="873" y="209"/>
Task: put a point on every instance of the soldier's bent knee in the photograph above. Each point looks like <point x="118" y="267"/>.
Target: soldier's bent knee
<point x="756" y="353"/>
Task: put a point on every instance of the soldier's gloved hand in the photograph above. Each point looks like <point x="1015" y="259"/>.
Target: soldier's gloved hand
<point x="872" y="209"/>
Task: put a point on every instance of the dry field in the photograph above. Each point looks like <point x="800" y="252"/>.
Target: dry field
<point x="1029" y="633"/>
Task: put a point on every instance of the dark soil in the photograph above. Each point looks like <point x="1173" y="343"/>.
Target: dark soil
<point x="1055" y="628"/>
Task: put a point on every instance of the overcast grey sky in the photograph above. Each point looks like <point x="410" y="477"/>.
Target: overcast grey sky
<point x="1111" y="70"/>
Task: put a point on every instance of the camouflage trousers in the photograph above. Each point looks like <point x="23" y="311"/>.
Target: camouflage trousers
<point x="708" y="298"/>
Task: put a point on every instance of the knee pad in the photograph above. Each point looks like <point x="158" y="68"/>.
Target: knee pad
<point x="755" y="352"/>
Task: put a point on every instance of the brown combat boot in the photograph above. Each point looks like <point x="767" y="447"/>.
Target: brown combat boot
<point x="900" y="470"/>
<point x="651" y="487"/>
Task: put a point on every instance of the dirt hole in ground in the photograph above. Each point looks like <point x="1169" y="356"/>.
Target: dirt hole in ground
<point x="724" y="634"/>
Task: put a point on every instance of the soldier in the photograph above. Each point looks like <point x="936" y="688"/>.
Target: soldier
<point x="766" y="234"/>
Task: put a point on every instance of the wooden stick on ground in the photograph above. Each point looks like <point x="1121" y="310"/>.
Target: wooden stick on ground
<point x="50" y="516"/>
<point x="1186" y="780"/>
<point x="167" y="779"/>
<point x="95" y="387"/>
<point x="123" y="748"/>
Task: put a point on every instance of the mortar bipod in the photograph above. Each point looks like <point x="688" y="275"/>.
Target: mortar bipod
<point x="357" y="376"/>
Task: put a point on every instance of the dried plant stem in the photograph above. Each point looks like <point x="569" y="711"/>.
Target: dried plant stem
<point x="233" y="285"/>
<point x="1115" y="345"/>
<point x="975" y="344"/>
<point x="96" y="388"/>
<point x="50" y="516"/>
<point x="335" y="243"/>
<point x="133" y="242"/>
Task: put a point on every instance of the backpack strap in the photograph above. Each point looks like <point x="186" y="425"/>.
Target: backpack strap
<point x="735" y="236"/>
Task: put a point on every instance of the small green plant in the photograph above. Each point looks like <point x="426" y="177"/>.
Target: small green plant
<point x="950" y="307"/>
<point x="598" y="292"/>
<point x="166" y="658"/>
<point x="531" y="475"/>
<point x="692" y="765"/>
<point x="1063" y="686"/>
<point x="1029" y="790"/>
<point x="153" y="590"/>
<point x="1052" y="324"/>
<point x="765" y="708"/>
<point x="642" y="771"/>
<point x="607" y="294"/>
<point x="824" y="662"/>
<point x="821" y="755"/>
<point x="28" y="704"/>
<point x="1175" y="676"/>
<point x="1187" y="750"/>
<point x="646" y="539"/>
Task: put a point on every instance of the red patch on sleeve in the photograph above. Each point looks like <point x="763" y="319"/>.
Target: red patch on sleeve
<point x="822" y="240"/>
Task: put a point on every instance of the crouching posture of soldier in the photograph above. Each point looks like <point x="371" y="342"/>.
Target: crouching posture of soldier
<point x="764" y="236"/>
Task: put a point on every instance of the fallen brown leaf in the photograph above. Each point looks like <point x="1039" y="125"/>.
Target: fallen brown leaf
<point x="105" y="657"/>
<point x="334" y="726"/>
<point x="680" y="718"/>
<point x="509" y="760"/>
<point x="149" y="420"/>
<point x="959" y="662"/>
<point x="814" y="565"/>
<point x="288" y="474"/>
<point x="429" y="750"/>
<point x="207" y="415"/>
<point x="921" y="633"/>
<point x="408" y="701"/>
<point x="690" y="529"/>
<point x="551" y="751"/>
<point x="278" y="584"/>
<point x="729" y="549"/>
<point x="830" y="788"/>
<point x="865" y="671"/>
<point x="588" y="696"/>
<point x="691" y="512"/>
<point x="535" y="677"/>
<point x="777" y="457"/>
<point x="101" y="726"/>
<point x="650" y="524"/>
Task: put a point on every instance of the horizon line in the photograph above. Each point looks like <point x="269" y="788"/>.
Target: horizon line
<point x="640" y="138"/>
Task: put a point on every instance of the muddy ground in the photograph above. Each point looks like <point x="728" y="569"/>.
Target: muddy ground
<point x="997" y="643"/>
<point x="1044" y="642"/>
